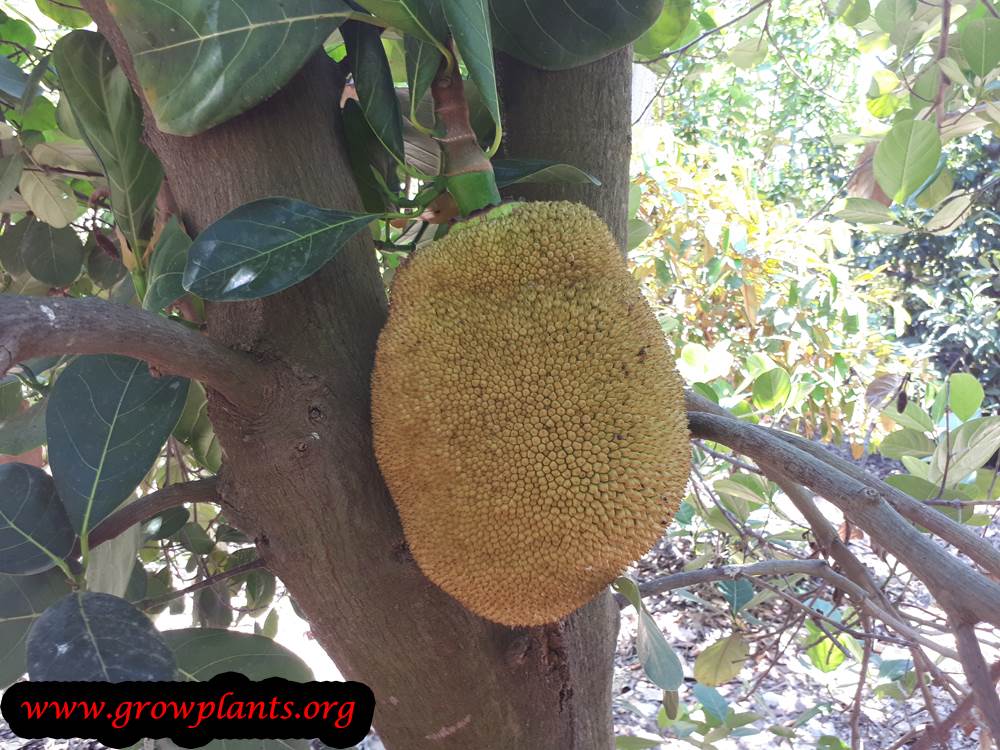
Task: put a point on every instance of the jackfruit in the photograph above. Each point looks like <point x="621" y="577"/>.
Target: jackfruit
<point x="528" y="417"/>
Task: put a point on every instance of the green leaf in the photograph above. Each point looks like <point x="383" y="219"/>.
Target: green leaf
<point x="109" y="116"/>
<point x="668" y="28"/>
<point x="202" y="62"/>
<point x="422" y="62"/>
<point x="937" y="191"/>
<point x="658" y="659"/>
<point x="53" y="256"/>
<point x="10" y="174"/>
<point x="166" y="267"/>
<point x="980" y="42"/>
<point x="970" y="446"/>
<point x="97" y="637"/>
<point x="906" y="442"/>
<point x="51" y="200"/>
<point x="374" y="168"/>
<point x="864" y="211"/>
<point x="825" y="655"/>
<point x="195" y="539"/>
<point x="203" y="653"/>
<point x="104" y="268"/>
<point x="34" y="528"/>
<point x="965" y="395"/>
<point x="470" y="26"/>
<point x="722" y="661"/>
<point x="771" y="389"/>
<point x="856" y="12"/>
<point x="24" y="431"/>
<point x="895" y="17"/>
<point x="416" y="18"/>
<point x="716" y="707"/>
<point x="194" y="429"/>
<point x="168" y="523"/>
<point x="913" y="417"/>
<point x="373" y="80"/>
<point x="749" y="53"/>
<point x="556" y="36"/>
<point x="266" y="246"/>
<point x="22" y="601"/>
<point x="107" y="419"/>
<point x="12" y="80"/>
<point x="738" y="593"/>
<point x="513" y="171"/>
<point x="829" y="742"/>
<point x="65" y="12"/>
<point x="623" y="742"/>
<point x="907" y="157"/>
<point x="110" y="567"/>
<point x="10" y="246"/>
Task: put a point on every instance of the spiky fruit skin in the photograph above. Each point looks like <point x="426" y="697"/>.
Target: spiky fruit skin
<point x="529" y="420"/>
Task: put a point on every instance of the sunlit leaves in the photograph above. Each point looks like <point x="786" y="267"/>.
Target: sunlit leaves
<point x="202" y="62"/>
<point x="109" y="117"/>
<point x="263" y="247"/>
<point x="967" y="448"/>
<point x="965" y="395"/>
<point x="107" y="419"/>
<point x="749" y="52"/>
<point x="771" y="389"/>
<point x="97" y="637"/>
<point x="667" y="29"/>
<point x="34" y="529"/>
<point x="980" y="43"/>
<point x="907" y="157"/>
<point x="721" y="661"/>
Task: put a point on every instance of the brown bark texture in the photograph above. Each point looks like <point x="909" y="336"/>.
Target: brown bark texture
<point x="299" y="472"/>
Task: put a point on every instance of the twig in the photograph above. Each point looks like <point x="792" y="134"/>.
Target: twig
<point x="978" y="675"/>
<point x="939" y="734"/>
<point x="694" y="42"/>
<point x="202" y="584"/>
<point x="859" y="693"/>
<point x="38" y="327"/>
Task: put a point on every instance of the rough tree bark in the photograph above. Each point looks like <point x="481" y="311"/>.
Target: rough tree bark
<point x="299" y="473"/>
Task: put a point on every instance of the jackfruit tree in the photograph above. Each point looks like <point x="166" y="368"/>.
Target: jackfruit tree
<point x="272" y="310"/>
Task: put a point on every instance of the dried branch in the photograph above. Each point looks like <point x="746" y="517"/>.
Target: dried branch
<point x="147" y="506"/>
<point x="978" y="675"/>
<point x="960" y="590"/>
<point x="937" y="736"/>
<point x="42" y="326"/>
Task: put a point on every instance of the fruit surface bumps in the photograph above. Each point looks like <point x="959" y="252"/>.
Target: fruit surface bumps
<point x="528" y="418"/>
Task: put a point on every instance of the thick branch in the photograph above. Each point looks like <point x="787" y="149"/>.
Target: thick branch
<point x="147" y="506"/>
<point x="979" y="549"/>
<point x="978" y="675"/>
<point x="42" y="326"/>
<point x="961" y="591"/>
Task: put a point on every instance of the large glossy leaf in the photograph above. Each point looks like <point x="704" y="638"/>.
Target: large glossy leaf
<point x="555" y="36"/>
<point x="417" y="18"/>
<point x="34" y="529"/>
<point x="374" y="168"/>
<point x="201" y="62"/>
<point x="470" y="26"/>
<point x="514" y="171"/>
<point x="906" y="157"/>
<point x="54" y="256"/>
<point x="107" y="419"/>
<point x="373" y="81"/>
<point x="969" y="447"/>
<point x="166" y="267"/>
<point x="266" y="246"/>
<point x="422" y="62"/>
<point x="22" y="601"/>
<point x="203" y="653"/>
<point x="92" y="637"/>
<point x="109" y="117"/>
<point x="10" y="246"/>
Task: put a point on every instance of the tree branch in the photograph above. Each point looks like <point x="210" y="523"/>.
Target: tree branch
<point x="147" y="506"/>
<point x="202" y="584"/>
<point x="978" y="675"/>
<point x="960" y="590"/>
<point x="936" y="736"/>
<point x="42" y="326"/>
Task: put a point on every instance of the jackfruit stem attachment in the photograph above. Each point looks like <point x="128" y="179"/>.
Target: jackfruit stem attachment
<point x="467" y="171"/>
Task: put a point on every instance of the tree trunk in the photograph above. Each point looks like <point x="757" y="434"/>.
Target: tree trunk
<point x="299" y="473"/>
